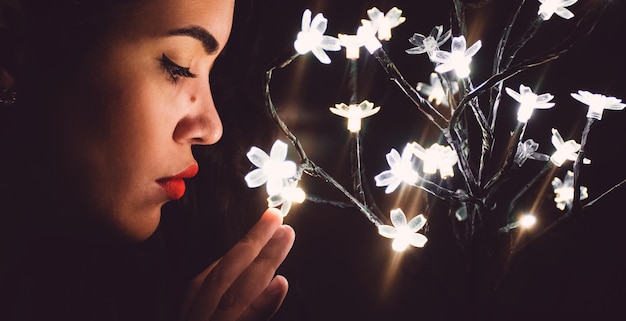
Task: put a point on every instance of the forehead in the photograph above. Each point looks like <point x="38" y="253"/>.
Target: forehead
<point x="157" y="18"/>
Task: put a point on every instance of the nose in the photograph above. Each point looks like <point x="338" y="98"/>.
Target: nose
<point x="201" y="125"/>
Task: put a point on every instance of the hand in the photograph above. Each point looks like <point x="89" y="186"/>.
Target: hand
<point x="241" y="285"/>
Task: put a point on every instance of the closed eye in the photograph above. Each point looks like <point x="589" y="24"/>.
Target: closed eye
<point x="174" y="70"/>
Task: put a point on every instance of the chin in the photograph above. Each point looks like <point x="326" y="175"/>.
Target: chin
<point x="139" y="229"/>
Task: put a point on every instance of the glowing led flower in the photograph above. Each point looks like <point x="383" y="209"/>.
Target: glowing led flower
<point x="272" y="169"/>
<point x="354" y="113"/>
<point x="428" y="44"/>
<point x="598" y="103"/>
<point x="290" y="194"/>
<point x="528" y="150"/>
<point x="529" y="101"/>
<point x="365" y="36"/>
<point x="564" y="191"/>
<point x="435" y="91"/>
<point x="401" y="170"/>
<point x="436" y="157"/>
<point x="403" y="233"/>
<point x="352" y="43"/>
<point x="458" y="59"/>
<point x="564" y="150"/>
<point x="312" y="37"/>
<point x="383" y="23"/>
<point x="550" y="7"/>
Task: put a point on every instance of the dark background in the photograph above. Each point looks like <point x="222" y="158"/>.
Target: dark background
<point x="340" y="268"/>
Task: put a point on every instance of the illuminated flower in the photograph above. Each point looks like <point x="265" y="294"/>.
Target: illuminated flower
<point x="401" y="170"/>
<point x="436" y="157"/>
<point x="550" y="7"/>
<point x="354" y="113"/>
<point x="564" y="191"/>
<point x="289" y="194"/>
<point x="272" y="169"/>
<point x="428" y="44"/>
<point x="312" y="37"/>
<point x="458" y="59"/>
<point x="383" y="23"/>
<point x="403" y="233"/>
<point x="352" y="43"/>
<point x="564" y="150"/>
<point x="435" y="91"/>
<point x="598" y="103"/>
<point x="528" y="150"/>
<point x="529" y="101"/>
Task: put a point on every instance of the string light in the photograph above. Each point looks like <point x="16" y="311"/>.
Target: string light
<point x="272" y="169"/>
<point x="458" y="59"/>
<point x="436" y="158"/>
<point x="312" y="39"/>
<point x="551" y="7"/>
<point x="354" y="113"/>
<point x="383" y="23"/>
<point x="564" y="150"/>
<point x="598" y="103"/>
<point x="403" y="233"/>
<point x="529" y="101"/>
<point x="280" y="175"/>
<point x="428" y="44"/>
<point x="564" y="191"/>
<point x="402" y="169"/>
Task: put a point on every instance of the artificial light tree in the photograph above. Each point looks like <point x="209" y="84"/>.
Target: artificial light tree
<point x="470" y="161"/>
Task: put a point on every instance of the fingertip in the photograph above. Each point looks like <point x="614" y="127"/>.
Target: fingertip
<point x="289" y="232"/>
<point x="273" y="214"/>
<point x="278" y="286"/>
<point x="266" y="305"/>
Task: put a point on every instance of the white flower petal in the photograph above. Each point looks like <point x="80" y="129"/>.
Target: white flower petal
<point x="471" y="51"/>
<point x="274" y="185"/>
<point x="393" y="158"/>
<point x="458" y="44"/>
<point x="387" y="231"/>
<point x="416" y="223"/>
<point x="397" y="217"/>
<point x="339" y="112"/>
<point x="564" y="13"/>
<point x="393" y="185"/>
<point x="257" y="156"/>
<point x="384" y="178"/>
<point x="319" y="23"/>
<point x="279" y="151"/>
<point x="255" y="178"/>
<point x="321" y="55"/>
<point x="330" y="43"/>
<point x="306" y="20"/>
<point x="418" y="240"/>
<point x="284" y="209"/>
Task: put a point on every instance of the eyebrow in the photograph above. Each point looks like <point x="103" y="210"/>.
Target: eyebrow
<point x="208" y="41"/>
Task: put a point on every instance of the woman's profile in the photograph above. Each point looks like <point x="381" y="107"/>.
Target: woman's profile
<point x="107" y="100"/>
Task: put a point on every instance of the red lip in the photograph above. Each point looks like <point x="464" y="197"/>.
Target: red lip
<point x="174" y="186"/>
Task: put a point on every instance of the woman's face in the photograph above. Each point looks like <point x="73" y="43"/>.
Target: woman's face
<point x="143" y="100"/>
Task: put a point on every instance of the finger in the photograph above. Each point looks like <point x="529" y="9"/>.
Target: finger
<point x="236" y="260"/>
<point x="256" y="278"/>
<point x="194" y="288"/>
<point x="266" y="305"/>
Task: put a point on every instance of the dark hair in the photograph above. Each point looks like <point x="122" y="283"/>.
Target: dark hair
<point x="46" y="41"/>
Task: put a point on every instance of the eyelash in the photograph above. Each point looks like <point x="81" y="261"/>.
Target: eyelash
<point x="175" y="71"/>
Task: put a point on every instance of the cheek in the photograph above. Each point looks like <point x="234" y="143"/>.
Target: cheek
<point x="126" y="143"/>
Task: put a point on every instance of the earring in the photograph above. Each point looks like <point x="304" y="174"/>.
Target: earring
<point x="7" y="97"/>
